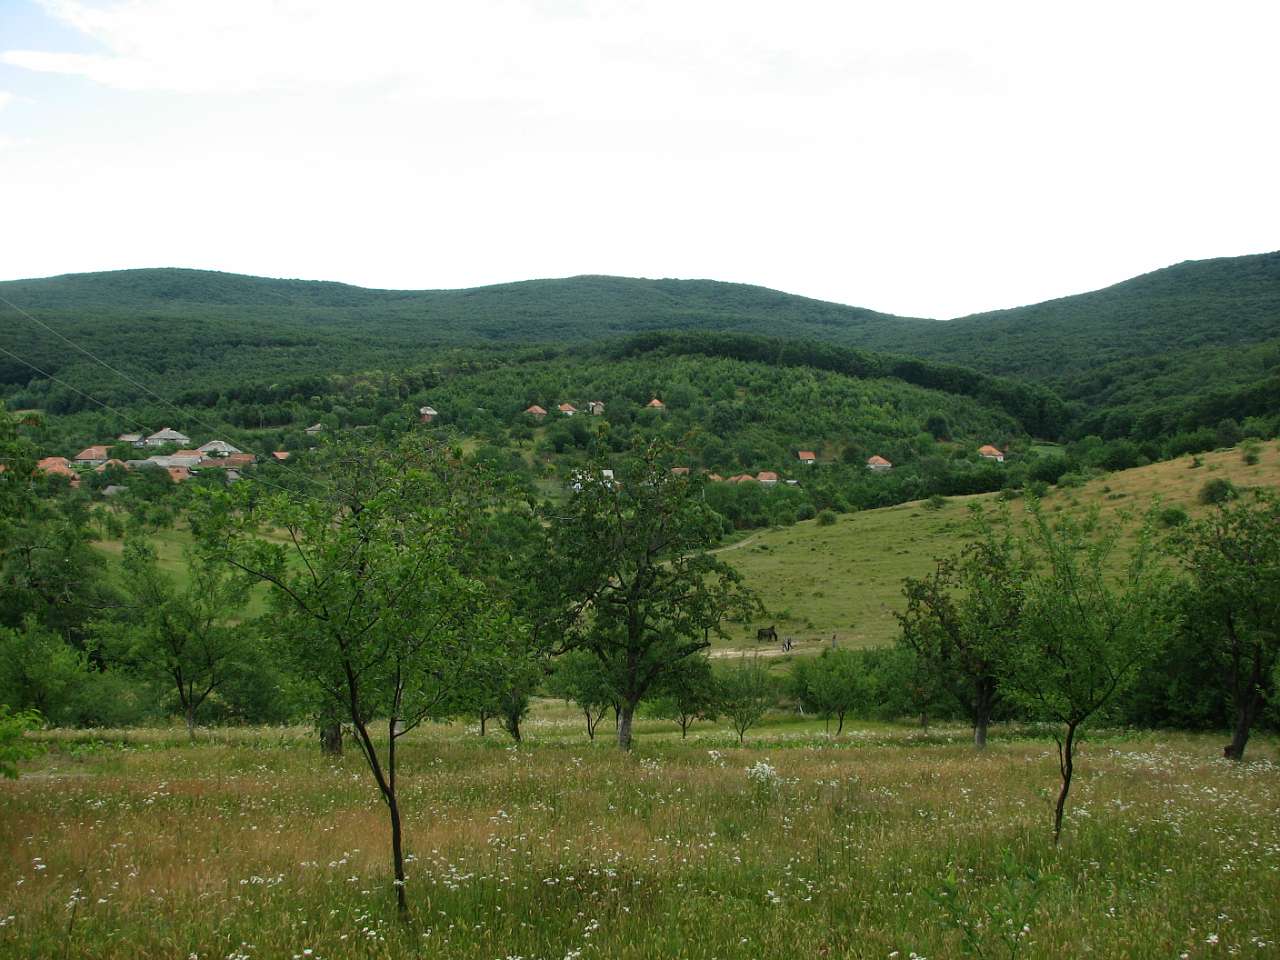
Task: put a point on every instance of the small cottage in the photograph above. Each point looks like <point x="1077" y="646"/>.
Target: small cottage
<point x="568" y="409"/>
<point x="766" y="478"/>
<point x="427" y="414"/>
<point x="596" y="408"/>
<point x="807" y="456"/>
<point x="314" y="429"/>
<point x="92" y="456"/>
<point x="536" y="412"/>
<point x="656" y="405"/>
<point x="167" y="435"/>
<point x="878" y="463"/>
<point x="988" y="452"/>
<point x="217" y="448"/>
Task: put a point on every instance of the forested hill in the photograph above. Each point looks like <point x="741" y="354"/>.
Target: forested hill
<point x="1230" y="301"/>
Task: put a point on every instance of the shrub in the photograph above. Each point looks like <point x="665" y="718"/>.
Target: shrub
<point x="936" y="502"/>
<point x="1217" y="490"/>
<point x="826" y="518"/>
<point x="1172" y="517"/>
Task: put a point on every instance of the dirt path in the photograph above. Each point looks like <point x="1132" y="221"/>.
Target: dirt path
<point x="735" y="546"/>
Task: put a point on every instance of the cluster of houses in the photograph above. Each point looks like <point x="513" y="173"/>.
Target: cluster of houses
<point x="595" y="408"/>
<point x="216" y="454"/>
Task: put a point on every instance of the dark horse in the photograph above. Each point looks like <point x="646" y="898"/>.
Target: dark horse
<point x="767" y="633"/>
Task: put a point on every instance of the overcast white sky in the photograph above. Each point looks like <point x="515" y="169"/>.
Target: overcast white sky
<point x="922" y="158"/>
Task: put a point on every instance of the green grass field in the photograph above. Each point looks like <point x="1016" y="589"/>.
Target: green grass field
<point x="883" y="843"/>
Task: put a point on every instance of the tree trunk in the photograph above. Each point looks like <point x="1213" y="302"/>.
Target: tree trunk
<point x="191" y="722"/>
<point x="484" y="717"/>
<point x="980" y="733"/>
<point x="591" y="727"/>
<point x="1065" y="759"/>
<point x="331" y="738"/>
<point x="513" y="727"/>
<point x="624" y="725"/>
<point x="839" y="722"/>
<point x="1246" y="711"/>
<point x="397" y="855"/>
<point x="684" y="728"/>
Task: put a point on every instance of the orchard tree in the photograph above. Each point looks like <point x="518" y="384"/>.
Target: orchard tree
<point x="640" y="589"/>
<point x="580" y="678"/>
<point x="1086" y="630"/>
<point x="184" y="634"/>
<point x="962" y="619"/>
<point x="368" y="600"/>
<point x="744" y="693"/>
<point x="686" y="694"/>
<point x="1233" y="602"/>
<point x="832" y="685"/>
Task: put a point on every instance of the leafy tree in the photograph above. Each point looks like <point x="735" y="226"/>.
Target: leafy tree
<point x="642" y="591"/>
<point x="961" y="620"/>
<point x="832" y="685"/>
<point x="40" y="671"/>
<point x="580" y="677"/>
<point x="13" y="744"/>
<point x="687" y="693"/>
<point x="1085" y="632"/>
<point x="187" y="635"/>
<point x="1233" y="604"/>
<point x="746" y="691"/>
<point x="368" y="600"/>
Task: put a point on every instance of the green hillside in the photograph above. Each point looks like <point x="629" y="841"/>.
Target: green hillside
<point x="846" y="578"/>
<point x="1174" y="350"/>
<point x="1230" y="301"/>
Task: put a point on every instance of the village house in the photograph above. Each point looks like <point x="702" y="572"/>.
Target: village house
<point x="656" y="405"/>
<point x="232" y="461"/>
<point x="113" y="462"/>
<point x="767" y="478"/>
<point x="568" y="409"/>
<point x="167" y="435"/>
<point x="988" y="452"/>
<point x="280" y="455"/>
<point x="807" y="456"/>
<point x="680" y="471"/>
<point x="185" y="459"/>
<point x="427" y="414"/>
<point x="741" y="478"/>
<point x="217" y="448"/>
<point x="92" y="456"/>
<point x="878" y="463"/>
<point x="536" y="412"/>
<point x="57" y="466"/>
<point x="596" y="408"/>
<point x="136" y="439"/>
<point x="314" y="429"/>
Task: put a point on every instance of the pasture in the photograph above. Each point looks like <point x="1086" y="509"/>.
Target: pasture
<point x="883" y="843"/>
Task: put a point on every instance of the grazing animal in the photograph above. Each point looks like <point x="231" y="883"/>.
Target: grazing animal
<point x="767" y="633"/>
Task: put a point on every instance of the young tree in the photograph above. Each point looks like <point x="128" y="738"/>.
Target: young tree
<point x="1233" y="603"/>
<point x="962" y="619"/>
<point x="745" y="692"/>
<point x="1086" y="629"/>
<point x="580" y="678"/>
<point x="642" y="592"/>
<point x="186" y="635"/>
<point x="14" y="745"/>
<point x="687" y="693"/>
<point x="831" y="685"/>
<point x="368" y="600"/>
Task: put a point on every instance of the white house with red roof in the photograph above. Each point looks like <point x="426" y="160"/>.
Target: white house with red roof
<point x="807" y="456"/>
<point x="988" y="452"/>
<point x="878" y="463"/>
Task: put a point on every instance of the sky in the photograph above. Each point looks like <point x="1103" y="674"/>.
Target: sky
<point x="921" y="157"/>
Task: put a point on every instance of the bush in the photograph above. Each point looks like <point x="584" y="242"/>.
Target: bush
<point x="1172" y="517"/>
<point x="936" y="502"/>
<point x="1218" y="490"/>
<point x="826" y="518"/>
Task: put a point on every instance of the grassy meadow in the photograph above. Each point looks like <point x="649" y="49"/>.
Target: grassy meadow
<point x="885" y="842"/>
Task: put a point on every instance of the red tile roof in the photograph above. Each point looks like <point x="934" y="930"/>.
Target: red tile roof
<point x="113" y="462"/>
<point x="878" y="461"/>
<point x="807" y="455"/>
<point x="96" y="452"/>
<point x="567" y="408"/>
<point x="987" y="450"/>
<point x="537" y="411"/>
<point x="656" y="404"/>
<point x="178" y="474"/>
<point x="56" y="465"/>
<point x="281" y="454"/>
<point x="767" y="476"/>
<point x="680" y="471"/>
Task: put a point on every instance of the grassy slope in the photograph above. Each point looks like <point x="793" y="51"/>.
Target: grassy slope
<point x="846" y="578"/>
